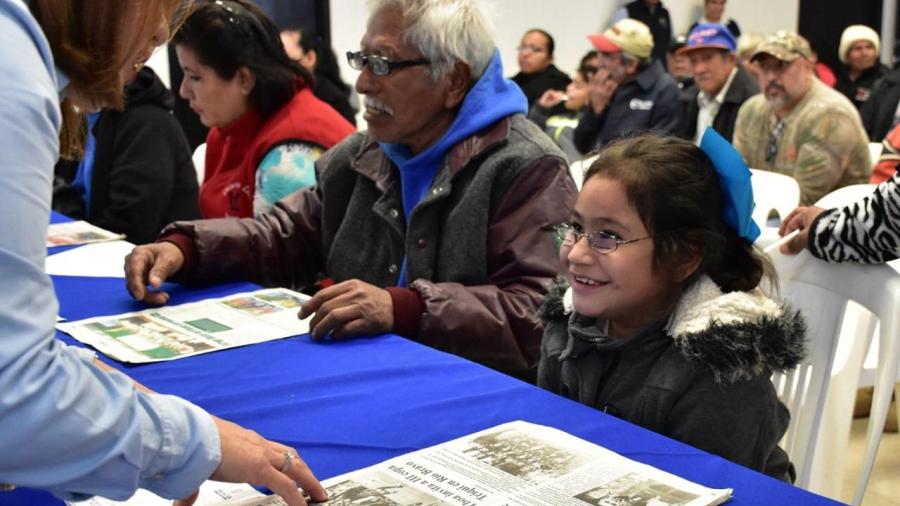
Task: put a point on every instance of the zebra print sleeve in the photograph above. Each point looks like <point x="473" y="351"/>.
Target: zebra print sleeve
<point x="865" y="232"/>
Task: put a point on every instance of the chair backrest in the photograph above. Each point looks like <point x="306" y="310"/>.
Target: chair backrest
<point x="875" y="152"/>
<point x="199" y="159"/>
<point x="773" y="192"/>
<point x="846" y="195"/>
<point x="578" y="168"/>
<point x="821" y="292"/>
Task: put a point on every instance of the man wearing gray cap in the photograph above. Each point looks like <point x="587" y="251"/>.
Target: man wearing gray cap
<point x="798" y="126"/>
<point x="630" y="92"/>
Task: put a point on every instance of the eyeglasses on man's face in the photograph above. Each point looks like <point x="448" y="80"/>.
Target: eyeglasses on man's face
<point x="379" y="65"/>
<point x="601" y="242"/>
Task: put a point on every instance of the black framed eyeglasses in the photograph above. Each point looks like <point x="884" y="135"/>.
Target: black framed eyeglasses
<point x="601" y="242"/>
<point x="379" y="65"/>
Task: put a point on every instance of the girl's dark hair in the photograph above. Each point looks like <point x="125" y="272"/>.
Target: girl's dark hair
<point x="326" y="61"/>
<point x="229" y="34"/>
<point x="675" y="190"/>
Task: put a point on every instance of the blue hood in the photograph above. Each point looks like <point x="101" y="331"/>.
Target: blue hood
<point x="491" y="99"/>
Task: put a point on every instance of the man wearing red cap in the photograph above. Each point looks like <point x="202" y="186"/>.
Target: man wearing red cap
<point x="630" y="92"/>
<point x="721" y="85"/>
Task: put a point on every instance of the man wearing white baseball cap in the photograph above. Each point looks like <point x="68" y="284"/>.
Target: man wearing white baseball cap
<point x="630" y="92"/>
<point x="859" y="52"/>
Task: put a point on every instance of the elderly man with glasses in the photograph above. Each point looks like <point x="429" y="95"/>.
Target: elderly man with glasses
<point x="798" y="126"/>
<point x="436" y="224"/>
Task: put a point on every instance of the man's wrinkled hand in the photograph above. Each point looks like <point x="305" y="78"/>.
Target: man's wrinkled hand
<point x="147" y="267"/>
<point x="349" y="309"/>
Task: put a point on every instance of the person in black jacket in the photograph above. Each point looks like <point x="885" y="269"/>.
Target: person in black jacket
<point x="859" y="50"/>
<point x="137" y="174"/>
<point x="537" y="73"/>
<point x="879" y="113"/>
<point x="721" y="85"/>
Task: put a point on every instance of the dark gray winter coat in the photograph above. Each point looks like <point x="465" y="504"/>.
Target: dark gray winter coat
<point x="701" y="376"/>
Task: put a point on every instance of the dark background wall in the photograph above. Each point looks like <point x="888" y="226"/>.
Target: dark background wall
<point x="308" y="14"/>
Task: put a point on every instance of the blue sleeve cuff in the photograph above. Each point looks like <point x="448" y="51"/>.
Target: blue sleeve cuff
<point x="189" y="451"/>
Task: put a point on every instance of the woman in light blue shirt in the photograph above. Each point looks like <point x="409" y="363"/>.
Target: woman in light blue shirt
<point x="89" y="432"/>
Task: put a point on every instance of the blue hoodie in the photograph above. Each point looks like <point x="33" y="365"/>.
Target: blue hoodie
<point x="491" y="99"/>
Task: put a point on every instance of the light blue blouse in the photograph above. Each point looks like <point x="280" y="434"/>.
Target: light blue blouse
<point x="65" y="425"/>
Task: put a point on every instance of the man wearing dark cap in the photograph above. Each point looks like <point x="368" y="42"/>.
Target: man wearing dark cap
<point x="721" y="85"/>
<point x="798" y="126"/>
<point x="678" y="64"/>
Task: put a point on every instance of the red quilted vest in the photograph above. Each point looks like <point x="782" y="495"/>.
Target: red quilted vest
<point x="234" y="152"/>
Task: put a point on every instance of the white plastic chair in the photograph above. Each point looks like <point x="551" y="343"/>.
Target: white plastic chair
<point x="822" y="291"/>
<point x="199" y="159"/>
<point x="859" y="328"/>
<point x="874" y="152"/>
<point x="846" y="195"/>
<point x="578" y="168"/>
<point x="773" y="192"/>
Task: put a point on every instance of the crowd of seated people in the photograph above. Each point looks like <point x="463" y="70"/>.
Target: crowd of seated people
<point x="451" y="217"/>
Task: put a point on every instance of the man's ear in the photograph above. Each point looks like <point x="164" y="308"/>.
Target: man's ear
<point x="458" y="81"/>
<point x="246" y="80"/>
<point x="631" y="66"/>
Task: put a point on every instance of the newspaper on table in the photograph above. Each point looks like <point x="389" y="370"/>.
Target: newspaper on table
<point x="172" y="332"/>
<point x="78" y="232"/>
<point x="514" y="464"/>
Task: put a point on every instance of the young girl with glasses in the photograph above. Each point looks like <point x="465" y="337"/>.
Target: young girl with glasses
<point x="660" y="319"/>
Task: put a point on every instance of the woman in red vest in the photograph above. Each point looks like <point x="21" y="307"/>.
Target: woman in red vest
<point x="266" y="127"/>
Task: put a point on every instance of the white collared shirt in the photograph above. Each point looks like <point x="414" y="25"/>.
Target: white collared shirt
<point x="709" y="107"/>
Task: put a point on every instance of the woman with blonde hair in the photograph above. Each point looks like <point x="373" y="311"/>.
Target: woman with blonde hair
<point x="89" y="431"/>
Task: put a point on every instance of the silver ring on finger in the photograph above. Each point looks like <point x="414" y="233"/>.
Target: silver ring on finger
<point x="288" y="459"/>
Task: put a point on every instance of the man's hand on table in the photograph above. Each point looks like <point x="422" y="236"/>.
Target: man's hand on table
<point x="349" y="308"/>
<point x="147" y="267"/>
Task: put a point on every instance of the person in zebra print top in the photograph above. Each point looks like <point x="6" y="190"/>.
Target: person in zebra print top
<point x="864" y="232"/>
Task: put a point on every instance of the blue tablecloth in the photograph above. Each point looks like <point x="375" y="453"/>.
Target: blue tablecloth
<point x="350" y="404"/>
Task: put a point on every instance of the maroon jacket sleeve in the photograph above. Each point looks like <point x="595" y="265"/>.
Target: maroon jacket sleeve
<point x="497" y="323"/>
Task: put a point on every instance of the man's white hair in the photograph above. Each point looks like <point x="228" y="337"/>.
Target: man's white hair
<point x="445" y="32"/>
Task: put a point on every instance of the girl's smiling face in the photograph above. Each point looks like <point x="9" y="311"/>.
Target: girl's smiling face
<point x="622" y="286"/>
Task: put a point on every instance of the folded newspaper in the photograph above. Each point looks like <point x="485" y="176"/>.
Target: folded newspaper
<point x="514" y="464"/>
<point x="171" y="332"/>
<point x="78" y="232"/>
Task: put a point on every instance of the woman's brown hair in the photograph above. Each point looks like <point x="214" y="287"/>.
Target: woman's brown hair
<point x="90" y="40"/>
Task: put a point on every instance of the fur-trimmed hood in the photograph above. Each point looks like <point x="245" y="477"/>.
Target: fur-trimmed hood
<point x="739" y="335"/>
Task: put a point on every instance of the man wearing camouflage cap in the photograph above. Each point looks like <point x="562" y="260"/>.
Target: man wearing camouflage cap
<point x="630" y="92"/>
<point x="798" y="126"/>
